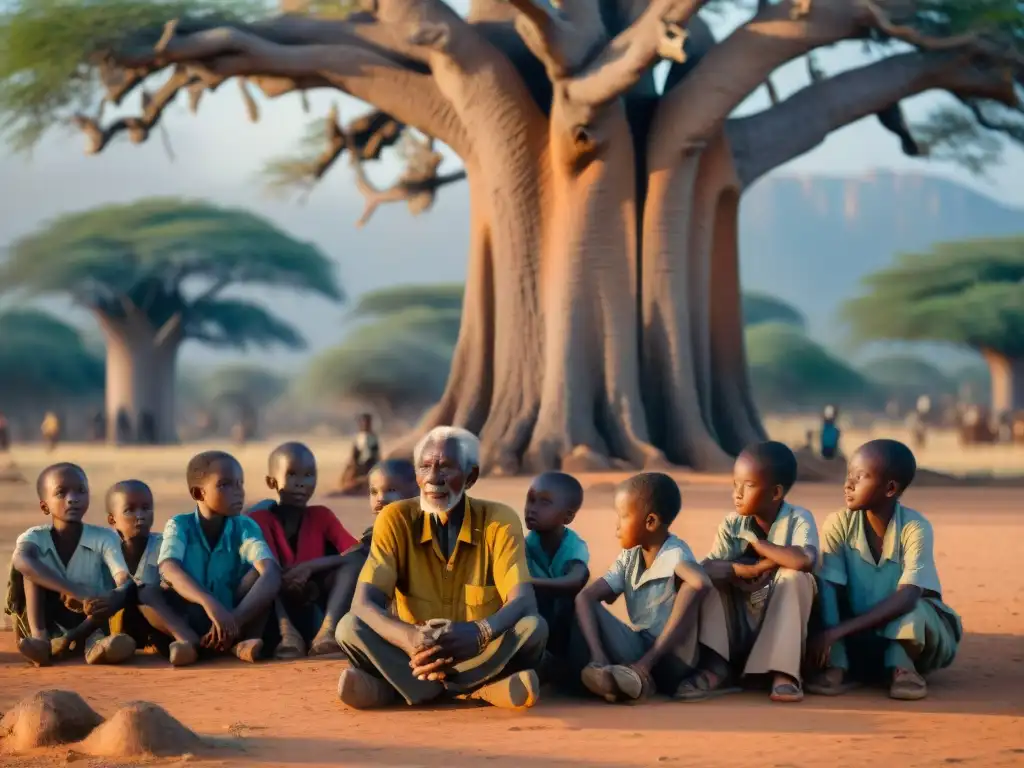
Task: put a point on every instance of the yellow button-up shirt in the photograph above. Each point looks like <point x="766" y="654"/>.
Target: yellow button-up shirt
<point x="406" y="563"/>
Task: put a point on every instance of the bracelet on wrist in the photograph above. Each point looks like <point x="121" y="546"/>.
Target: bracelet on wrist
<point x="485" y="633"/>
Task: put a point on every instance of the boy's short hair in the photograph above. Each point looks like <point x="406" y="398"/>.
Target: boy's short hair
<point x="897" y="460"/>
<point x="568" y="485"/>
<point x="657" y="493"/>
<point x="288" y="449"/>
<point x="58" y="467"/>
<point x="125" y="486"/>
<point x="778" y="459"/>
<point x="401" y="469"/>
<point x="199" y="466"/>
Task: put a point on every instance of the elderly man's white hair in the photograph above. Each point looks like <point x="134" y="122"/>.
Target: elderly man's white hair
<point x="469" y="445"/>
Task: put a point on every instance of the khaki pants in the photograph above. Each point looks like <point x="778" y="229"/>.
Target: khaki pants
<point x="522" y="647"/>
<point x="777" y="646"/>
<point x="624" y="645"/>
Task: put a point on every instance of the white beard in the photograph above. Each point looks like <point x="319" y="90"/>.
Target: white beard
<point x="441" y="510"/>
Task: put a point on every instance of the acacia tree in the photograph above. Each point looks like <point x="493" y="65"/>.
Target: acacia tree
<point x="601" y="316"/>
<point x="969" y="293"/>
<point x="153" y="274"/>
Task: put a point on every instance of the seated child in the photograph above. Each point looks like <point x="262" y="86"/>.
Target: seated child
<point x="223" y="577"/>
<point x="390" y="480"/>
<point x="149" y="621"/>
<point x="557" y="556"/>
<point x="59" y="591"/>
<point x="881" y="600"/>
<point x="313" y="548"/>
<point x="663" y="587"/>
<point x="762" y="563"/>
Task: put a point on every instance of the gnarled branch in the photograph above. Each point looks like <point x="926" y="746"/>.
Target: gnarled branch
<point x="417" y="186"/>
<point x="776" y="135"/>
<point x="659" y="32"/>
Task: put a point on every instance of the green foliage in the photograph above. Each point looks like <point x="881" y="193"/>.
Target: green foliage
<point x="50" y="51"/>
<point x="906" y="377"/>
<point x="150" y="255"/>
<point x="761" y="308"/>
<point x="788" y="370"/>
<point x="43" y="359"/>
<point x="387" y="301"/>
<point x="252" y="384"/>
<point x="969" y="293"/>
<point x="395" y="373"/>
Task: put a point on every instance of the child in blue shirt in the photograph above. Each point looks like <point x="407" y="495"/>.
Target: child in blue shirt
<point x="557" y="556"/>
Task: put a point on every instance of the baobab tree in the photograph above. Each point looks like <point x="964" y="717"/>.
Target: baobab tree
<point x="153" y="274"/>
<point x="969" y="294"/>
<point x="601" y="318"/>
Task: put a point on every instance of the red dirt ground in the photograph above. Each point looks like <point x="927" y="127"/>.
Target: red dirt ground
<point x="287" y="714"/>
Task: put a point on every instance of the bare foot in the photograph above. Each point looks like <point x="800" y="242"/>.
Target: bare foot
<point x="517" y="691"/>
<point x="359" y="690"/>
<point x="113" y="649"/>
<point x="36" y="650"/>
<point x="182" y="654"/>
<point x="248" y="651"/>
<point x="324" y="643"/>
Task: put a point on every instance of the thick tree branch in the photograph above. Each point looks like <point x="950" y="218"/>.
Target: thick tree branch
<point x="659" y="32"/>
<point x="389" y="82"/>
<point x="549" y="36"/>
<point x="698" y="106"/>
<point x="770" y="138"/>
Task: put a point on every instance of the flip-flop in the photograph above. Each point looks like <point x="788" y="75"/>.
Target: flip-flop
<point x="789" y="692"/>
<point x="908" y="686"/>
<point x="600" y="682"/>
<point x="631" y="683"/>
<point x="821" y="687"/>
<point x="698" y="688"/>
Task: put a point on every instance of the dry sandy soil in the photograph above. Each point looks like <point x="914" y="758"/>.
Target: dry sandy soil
<point x="287" y="714"/>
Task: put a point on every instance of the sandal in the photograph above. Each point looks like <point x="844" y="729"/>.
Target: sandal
<point x="907" y="685"/>
<point x="787" y="692"/>
<point x="632" y="684"/>
<point x="825" y="684"/>
<point x="699" y="687"/>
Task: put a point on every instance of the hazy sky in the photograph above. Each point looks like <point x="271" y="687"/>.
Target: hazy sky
<point x="219" y="153"/>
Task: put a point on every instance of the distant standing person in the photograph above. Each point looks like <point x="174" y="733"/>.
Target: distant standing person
<point x="99" y="426"/>
<point x="51" y="430"/>
<point x="364" y="457"/>
<point x="5" y="434"/>
<point x="829" y="432"/>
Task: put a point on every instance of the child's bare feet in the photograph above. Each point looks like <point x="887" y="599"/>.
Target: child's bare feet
<point x="785" y="689"/>
<point x="112" y="649"/>
<point x="36" y="650"/>
<point x="248" y="650"/>
<point x="182" y="654"/>
<point x="907" y="685"/>
<point x="324" y="642"/>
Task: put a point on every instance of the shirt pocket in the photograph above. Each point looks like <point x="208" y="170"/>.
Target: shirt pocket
<point x="481" y="602"/>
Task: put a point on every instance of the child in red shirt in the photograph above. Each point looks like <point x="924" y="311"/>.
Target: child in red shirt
<point x="320" y="560"/>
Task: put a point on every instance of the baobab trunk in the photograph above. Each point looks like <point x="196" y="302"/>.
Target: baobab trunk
<point x="141" y="375"/>
<point x="1007" y="373"/>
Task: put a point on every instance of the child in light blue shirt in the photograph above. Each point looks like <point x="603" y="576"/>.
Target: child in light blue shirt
<point x="557" y="556"/>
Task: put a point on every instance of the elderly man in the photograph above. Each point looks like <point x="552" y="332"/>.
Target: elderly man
<point x="465" y="618"/>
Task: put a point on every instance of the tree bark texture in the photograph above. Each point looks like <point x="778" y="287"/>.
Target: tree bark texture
<point x="141" y="376"/>
<point x="601" y="322"/>
<point x="1007" y="374"/>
